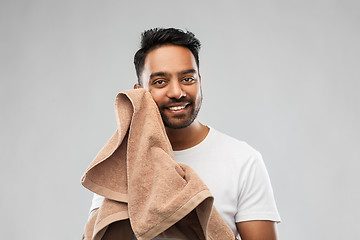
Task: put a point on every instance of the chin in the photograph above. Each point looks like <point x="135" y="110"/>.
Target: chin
<point x="176" y="125"/>
<point x="179" y="122"/>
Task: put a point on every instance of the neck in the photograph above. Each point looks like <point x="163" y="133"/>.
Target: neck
<point x="188" y="137"/>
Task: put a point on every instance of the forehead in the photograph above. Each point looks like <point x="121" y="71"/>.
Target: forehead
<point x="169" y="58"/>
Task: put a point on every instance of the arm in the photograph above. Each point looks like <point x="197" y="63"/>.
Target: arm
<point x="257" y="230"/>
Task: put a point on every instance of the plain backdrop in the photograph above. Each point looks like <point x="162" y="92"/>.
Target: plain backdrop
<point x="282" y="75"/>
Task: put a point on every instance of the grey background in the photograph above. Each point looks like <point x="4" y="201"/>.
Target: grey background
<point x="282" y="75"/>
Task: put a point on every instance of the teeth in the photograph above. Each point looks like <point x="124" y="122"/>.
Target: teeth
<point x="176" y="108"/>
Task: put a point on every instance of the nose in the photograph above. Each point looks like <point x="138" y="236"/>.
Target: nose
<point x="175" y="90"/>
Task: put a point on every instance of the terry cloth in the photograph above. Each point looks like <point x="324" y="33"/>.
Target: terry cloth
<point x="147" y="193"/>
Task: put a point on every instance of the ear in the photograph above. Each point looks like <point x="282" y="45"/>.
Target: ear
<point x="136" y="86"/>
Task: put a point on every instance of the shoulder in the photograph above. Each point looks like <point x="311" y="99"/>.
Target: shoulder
<point x="236" y="155"/>
<point x="229" y="144"/>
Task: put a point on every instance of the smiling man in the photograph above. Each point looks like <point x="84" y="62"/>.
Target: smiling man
<point x="167" y="65"/>
<point x="163" y="68"/>
<point x="170" y="74"/>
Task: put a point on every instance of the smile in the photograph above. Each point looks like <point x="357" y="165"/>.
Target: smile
<point x="176" y="108"/>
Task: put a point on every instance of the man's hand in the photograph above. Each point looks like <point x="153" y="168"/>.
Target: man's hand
<point x="257" y="230"/>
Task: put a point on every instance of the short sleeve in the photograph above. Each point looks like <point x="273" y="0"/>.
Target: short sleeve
<point x="256" y="198"/>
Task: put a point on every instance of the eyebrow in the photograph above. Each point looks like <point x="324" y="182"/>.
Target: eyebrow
<point x="187" y="72"/>
<point x="164" y="74"/>
<point x="159" y="74"/>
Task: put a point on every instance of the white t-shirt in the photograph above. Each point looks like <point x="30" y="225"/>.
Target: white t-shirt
<point x="235" y="174"/>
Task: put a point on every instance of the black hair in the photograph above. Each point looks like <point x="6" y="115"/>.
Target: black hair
<point x="156" y="37"/>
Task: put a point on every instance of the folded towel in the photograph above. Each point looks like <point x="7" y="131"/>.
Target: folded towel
<point x="147" y="193"/>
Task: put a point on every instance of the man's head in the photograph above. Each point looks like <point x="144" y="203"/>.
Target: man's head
<point x="167" y="66"/>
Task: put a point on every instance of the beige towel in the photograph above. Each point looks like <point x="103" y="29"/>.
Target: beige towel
<point x="146" y="192"/>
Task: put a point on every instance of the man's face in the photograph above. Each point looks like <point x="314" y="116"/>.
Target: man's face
<point x="171" y="75"/>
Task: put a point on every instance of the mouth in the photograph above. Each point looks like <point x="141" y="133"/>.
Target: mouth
<point x="177" y="107"/>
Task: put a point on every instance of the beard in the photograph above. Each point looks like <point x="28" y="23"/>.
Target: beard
<point x="181" y="120"/>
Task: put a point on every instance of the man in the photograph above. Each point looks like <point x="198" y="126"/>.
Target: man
<point x="167" y="65"/>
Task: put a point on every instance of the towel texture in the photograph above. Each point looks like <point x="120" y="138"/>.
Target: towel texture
<point x="147" y="193"/>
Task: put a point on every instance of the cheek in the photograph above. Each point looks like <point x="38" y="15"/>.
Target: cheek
<point x="157" y="96"/>
<point x="195" y="92"/>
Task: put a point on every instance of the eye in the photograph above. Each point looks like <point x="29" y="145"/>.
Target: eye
<point x="189" y="80"/>
<point x="158" y="82"/>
